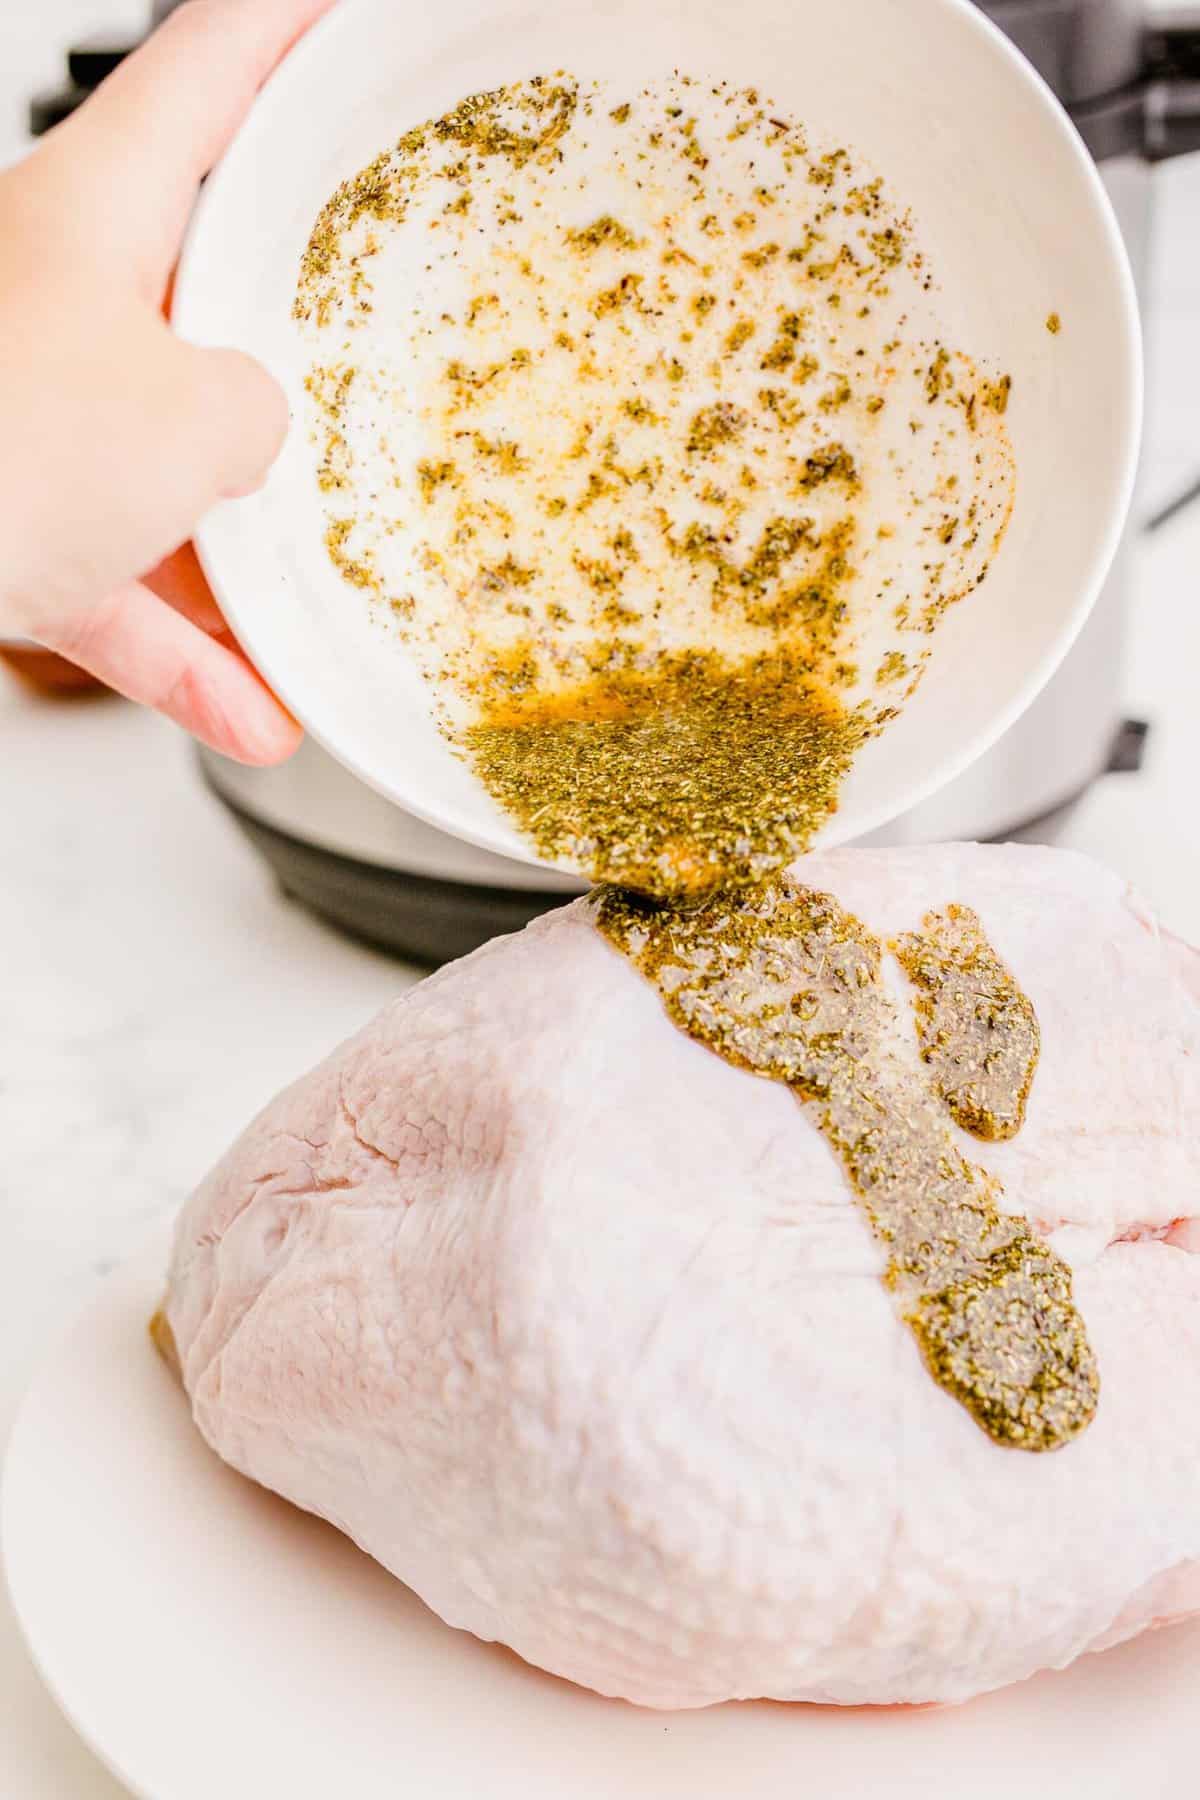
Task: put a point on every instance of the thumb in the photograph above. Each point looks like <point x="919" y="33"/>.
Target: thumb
<point x="236" y="419"/>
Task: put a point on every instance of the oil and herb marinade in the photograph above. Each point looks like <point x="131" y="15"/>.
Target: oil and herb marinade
<point x="679" y="781"/>
<point x="636" y="423"/>
<point x="632" y="408"/>
<point x="785" y="983"/>
<point x="978" y="1032"/>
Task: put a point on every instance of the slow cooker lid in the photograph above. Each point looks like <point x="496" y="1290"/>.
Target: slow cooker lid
<point x="1083" y="49"/>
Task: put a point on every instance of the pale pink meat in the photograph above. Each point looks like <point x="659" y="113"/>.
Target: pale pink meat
<point x="579" y="1331"/>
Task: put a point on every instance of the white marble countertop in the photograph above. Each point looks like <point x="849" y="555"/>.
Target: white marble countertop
<point x="157" y="989"/>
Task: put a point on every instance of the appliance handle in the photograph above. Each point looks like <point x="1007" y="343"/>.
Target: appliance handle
<point x="1173" y="41"/>
<point x="88" y="64"/>
<point x="1172" y="118"/>
<point x="1172" y="95"/>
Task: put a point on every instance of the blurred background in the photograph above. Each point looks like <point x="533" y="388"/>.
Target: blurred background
<point x="35" y="36"/>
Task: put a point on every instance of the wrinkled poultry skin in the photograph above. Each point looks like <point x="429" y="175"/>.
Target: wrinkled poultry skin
<point x="580" y="1332"/>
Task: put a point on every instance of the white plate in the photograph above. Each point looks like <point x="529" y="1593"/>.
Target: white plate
<point x="212" y="1644"/>
<point x="1017" y="226"/>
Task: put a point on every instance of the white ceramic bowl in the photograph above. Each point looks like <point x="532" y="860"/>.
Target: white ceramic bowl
<point x="1012" y="214"/>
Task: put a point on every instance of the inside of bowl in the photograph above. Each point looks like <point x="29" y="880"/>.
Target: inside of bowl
<point x="1009" y="210"/>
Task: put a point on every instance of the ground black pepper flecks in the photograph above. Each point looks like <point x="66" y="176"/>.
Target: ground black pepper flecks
<point x="787" y="984"/>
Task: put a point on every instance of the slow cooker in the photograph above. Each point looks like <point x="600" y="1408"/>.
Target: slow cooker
<point x="1132" y="86"/>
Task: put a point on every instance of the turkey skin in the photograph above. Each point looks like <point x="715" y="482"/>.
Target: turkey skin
<point x="581" y="1332"/>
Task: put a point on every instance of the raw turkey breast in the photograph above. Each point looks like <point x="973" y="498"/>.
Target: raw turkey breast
<point x="580" y="1330"/>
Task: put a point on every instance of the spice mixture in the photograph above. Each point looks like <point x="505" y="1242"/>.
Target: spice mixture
<point x="787" y="984"/>
<point x="630" y="775"/>
<point x="978" y="1032"/>
<point x="636" y="420"/>
<point x="637" y="423"/>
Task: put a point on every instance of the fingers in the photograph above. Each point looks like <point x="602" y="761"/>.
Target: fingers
<point x="155" y="128"/>
<point x="179" y="580"/>
<point x="150" y="653"/>
<point x="156" y="433"/>
<point x="236" y="419"/>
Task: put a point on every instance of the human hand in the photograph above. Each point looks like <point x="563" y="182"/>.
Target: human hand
<point x="115" y="436"/>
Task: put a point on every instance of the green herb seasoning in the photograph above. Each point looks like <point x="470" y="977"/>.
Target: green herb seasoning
<point x="604" y="230"/>
<point x="978" y="1032"/>
<point x="718" y="424"/>
<point x="481" y="123"/>
<point x="995" y="394"/>
<point x="676" y="781"/>
<point x="832" y="462"/>
<point x="785" y="983"/>
<point x="360" y="570"/>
